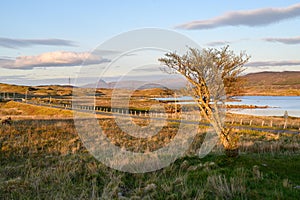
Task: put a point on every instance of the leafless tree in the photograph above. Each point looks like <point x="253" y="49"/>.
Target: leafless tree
<point x="214" y="75"/>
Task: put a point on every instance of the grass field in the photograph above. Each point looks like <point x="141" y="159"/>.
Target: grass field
<point x="45" y="159"/>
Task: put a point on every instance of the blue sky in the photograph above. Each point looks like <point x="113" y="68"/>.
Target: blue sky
<point x="44" y="42"/>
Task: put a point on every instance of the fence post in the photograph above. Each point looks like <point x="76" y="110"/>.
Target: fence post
<point x="241" y="122"/>
<point x="262" y="123"/>
<point x="250" y="122"/>
<point x="285" y="124"/>
<point x="271" y="124"/>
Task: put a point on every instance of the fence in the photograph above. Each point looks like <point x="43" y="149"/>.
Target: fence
<point x="272" y="122"/>
<point x="279" y="123"/>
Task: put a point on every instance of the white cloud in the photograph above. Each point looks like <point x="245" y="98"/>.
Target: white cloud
<point x="17" y="43"/>
<point x="218" y="43"/>
<point x="274" y="63"/>
<point x="291" y="40"/>
<point x="52" y="59"/>
<point x="258" y="17"/>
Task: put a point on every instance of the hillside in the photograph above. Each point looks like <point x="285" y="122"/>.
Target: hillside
<point x="273" y="83"/>
<point x="17" y="109"/>
<point x="42" y="91"/>
<point x="262" y="83"/>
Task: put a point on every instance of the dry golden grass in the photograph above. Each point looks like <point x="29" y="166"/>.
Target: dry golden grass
<point x="17" y="108"/>
<point x="46" y="159"/>
<point x="275" y="122"/>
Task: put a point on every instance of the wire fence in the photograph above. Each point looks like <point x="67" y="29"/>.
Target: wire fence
<point x="273" y="123"/>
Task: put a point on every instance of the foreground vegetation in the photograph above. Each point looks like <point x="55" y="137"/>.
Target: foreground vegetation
<point x="45" y="159"/>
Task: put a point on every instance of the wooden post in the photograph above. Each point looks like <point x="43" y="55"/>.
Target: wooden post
<point x="241" y="122"/>
<point x="26" y="96"/>
<point x="285" y="124"/>
<point x="250" y="122"/>
<point x="271" y="123"/>
<point x="285" y="116"/>
<point x="262" y="123"/>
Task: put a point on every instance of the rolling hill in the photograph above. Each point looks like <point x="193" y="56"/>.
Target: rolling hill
<point x="285" y="83"/>
<point x="263" y="83"/>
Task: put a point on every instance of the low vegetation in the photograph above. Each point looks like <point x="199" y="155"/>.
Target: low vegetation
<point x="18" y="110"/>
<point x="45" y="159"/>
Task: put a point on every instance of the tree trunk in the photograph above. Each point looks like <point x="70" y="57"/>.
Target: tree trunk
<point x="233" y="153"/>
<point x="229" y="141"/>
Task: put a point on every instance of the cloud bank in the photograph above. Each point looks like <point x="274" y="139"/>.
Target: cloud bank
<point x="17" y="43"/>
<point x="291" y="40"/>
<point x="251" y="18"/>
<point x="52" y="59"/>
<point x="274" y="63"/>
<point x="218" y="43"/>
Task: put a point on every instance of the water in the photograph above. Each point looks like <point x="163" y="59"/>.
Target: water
<point x="181" y="99"/>
<point x="277" y="104"/>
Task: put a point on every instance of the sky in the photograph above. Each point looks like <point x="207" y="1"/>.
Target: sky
<point x="46" y="42"/>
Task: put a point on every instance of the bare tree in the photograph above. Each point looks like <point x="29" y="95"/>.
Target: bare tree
<point x="210" y="73"/>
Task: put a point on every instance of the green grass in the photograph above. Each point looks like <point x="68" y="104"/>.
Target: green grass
<point x="45" y="159"/>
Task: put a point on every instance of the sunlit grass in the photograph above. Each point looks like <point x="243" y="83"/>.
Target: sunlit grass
<point x="46" y="159"/>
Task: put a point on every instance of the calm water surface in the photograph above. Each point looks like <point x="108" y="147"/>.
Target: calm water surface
<point x="277" y="104"/>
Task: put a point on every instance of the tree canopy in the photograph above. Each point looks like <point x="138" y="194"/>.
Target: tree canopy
<point x="213" y="75"/>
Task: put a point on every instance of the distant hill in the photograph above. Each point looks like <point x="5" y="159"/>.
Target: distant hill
<point x="274" y="78"/>
<point x="262" y="83"/>
<point x="273" y="83"/>
<point x="171" y="83"/>
<point x="101" y="84"/>
<point x="42" y="91"/>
